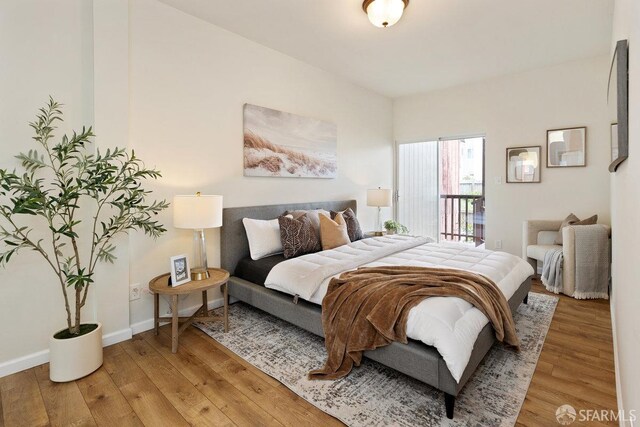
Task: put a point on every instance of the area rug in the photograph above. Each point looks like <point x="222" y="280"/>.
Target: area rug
<point x="374" y="395"/>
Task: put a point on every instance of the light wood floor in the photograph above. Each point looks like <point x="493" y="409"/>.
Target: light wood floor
<point x="143" y="383"/>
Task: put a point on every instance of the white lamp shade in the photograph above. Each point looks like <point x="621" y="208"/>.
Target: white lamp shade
<point x="197" y="211"/>
<point x="379" y="197"/>
<point x="385" y="13"/>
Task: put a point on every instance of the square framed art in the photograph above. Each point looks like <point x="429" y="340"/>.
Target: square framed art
<point x="523" y="164"/>
<point x="567" y="147"/>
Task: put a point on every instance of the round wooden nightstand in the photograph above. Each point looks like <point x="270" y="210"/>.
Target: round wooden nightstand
<point x="159" y="286"/>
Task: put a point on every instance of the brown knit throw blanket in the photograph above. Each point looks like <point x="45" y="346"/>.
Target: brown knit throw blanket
<point x="368" y="308"/>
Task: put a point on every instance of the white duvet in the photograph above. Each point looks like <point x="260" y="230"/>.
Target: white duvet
<point x="449" y="324"/>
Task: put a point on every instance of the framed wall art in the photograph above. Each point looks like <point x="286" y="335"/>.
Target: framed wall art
<point x="567" y="147"/>
<point x="279" y="144"/>
<point x="618" y="98"/>
<point x="615" y="148"/>
<point x="523" y="164"/>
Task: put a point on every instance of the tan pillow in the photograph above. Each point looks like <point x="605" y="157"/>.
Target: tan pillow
<point x="574" y="220"/>
<point x="333" y="233"/>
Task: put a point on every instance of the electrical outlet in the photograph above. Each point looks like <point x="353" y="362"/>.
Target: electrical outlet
<point x="498" y="244"/>
<point x="135" y="291"/>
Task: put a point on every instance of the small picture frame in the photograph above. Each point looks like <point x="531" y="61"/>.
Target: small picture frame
<point x="180" y="272"/>
<point x="567" y="148"/>
<point x="523" y="164"/>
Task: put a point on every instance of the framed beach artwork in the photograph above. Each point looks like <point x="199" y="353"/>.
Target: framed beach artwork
<point x="279" y="144"/>
<point x="523" y="164"/>
<point x="567" y="147"/>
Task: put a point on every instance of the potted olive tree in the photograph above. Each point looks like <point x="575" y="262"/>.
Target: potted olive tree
<point x="67" y="205"/>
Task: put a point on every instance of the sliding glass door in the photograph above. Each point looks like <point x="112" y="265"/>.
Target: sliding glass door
<point x="417" y="187"/>
<point x="440" y="188"/>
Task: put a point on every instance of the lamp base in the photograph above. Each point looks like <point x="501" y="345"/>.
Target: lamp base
<point x="199" y="274"/>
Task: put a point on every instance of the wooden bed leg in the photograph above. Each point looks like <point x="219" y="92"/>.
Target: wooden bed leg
<point x="449" y="402"/>
<point x="526" y="299"/>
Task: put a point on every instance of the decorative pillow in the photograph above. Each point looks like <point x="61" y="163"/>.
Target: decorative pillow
<point x="588" y="221"/>
<point x="574" y="220"/>
<point x="297" y="236"/>
<point x="314" y="217"/>
<point x="333" y="233"/>
<point x="353" y="225"/>
<point x="263" y="237"/>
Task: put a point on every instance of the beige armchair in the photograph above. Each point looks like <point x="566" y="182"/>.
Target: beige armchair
<point x="538" y="237"/>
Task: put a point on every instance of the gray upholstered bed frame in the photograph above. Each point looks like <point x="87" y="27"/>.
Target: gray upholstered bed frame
<point x="415" y="359"/>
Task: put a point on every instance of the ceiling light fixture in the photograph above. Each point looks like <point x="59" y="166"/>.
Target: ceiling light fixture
<point x="384" y="13"/>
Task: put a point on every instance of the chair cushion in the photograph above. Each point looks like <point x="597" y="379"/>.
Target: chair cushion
<point x="547" y="237"/>
<point x="538" y="251"/>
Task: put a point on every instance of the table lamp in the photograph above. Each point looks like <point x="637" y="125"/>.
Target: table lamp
<point x="380" y="198"/>
<point x="198" y="212"/>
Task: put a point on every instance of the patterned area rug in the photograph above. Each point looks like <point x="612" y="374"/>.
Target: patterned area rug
<point x="373" y="395"/>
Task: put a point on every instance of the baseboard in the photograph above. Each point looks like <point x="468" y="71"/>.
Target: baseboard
<point x="38" y="358"/>
<point x="616" y="362"/>
<point x="147" y="324"/>
<point x="25" y="362"/>
<point x="116" y="337"/>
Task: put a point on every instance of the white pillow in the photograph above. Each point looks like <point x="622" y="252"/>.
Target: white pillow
<point x="263" y="236"/>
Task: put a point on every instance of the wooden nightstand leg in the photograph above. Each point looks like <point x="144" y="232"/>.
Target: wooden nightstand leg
<point x="156" y="313"/>
<point x="205" y="304"/>
<point x="174" y="323"/>
<point x="225" y="298"/>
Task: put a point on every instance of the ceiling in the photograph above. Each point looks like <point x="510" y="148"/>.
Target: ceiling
<point x="437" y="43"/>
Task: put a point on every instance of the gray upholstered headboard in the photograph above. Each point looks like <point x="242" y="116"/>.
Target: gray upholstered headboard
<point x="233" y="238"/>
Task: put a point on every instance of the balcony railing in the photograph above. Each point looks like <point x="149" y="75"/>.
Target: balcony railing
<point x="462" y="218"/>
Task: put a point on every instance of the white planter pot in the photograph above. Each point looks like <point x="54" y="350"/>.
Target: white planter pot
<point x="73" y="358"/>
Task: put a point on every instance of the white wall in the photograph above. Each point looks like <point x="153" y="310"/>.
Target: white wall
<point x="517" y="110"/>
<point x="111" y="126"/>
<point x="172" y="87"/>
<point x="189" y="81"/>
<point x="625" y="205"/>
<point x="46" y="50"/>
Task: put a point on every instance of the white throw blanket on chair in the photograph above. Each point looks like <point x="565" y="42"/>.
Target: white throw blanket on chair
<point x="552" y="270"/>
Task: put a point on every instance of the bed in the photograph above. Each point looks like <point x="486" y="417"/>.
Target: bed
<point x="416" y="359"/>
